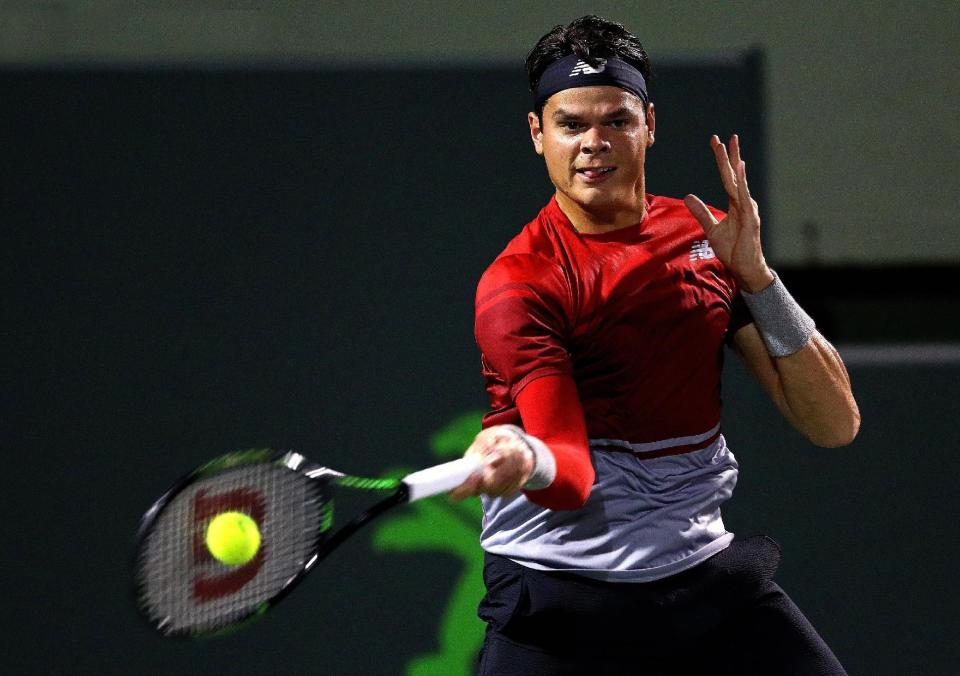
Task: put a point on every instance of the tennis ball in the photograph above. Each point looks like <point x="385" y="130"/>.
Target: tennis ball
<point x="233" y="538"/>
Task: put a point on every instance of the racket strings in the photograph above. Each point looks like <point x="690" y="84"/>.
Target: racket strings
<point x="184" y="590"/>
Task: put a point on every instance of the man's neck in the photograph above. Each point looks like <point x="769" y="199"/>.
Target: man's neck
<point x="596" y="222"/>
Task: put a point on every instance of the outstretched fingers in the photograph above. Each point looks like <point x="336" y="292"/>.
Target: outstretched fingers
<point x="742" y="186"/>
<point x="727" y="174"/>
<point x="732" y="168"/>
<point x="734" y="144"/>
<point x="704" y="216"/>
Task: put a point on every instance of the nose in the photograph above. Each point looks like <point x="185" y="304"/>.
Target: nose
<point x="593" y="141"/>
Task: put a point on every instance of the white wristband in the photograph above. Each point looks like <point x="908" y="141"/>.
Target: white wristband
<point x="544" y="464"/>
<point x="783" y="325"/>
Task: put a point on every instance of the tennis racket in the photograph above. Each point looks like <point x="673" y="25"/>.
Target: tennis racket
<point x="183" y="591"/>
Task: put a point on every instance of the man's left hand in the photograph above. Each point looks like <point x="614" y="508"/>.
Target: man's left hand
<point x="736" y="238"/>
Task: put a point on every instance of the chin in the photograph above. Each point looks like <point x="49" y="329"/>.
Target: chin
<point x="601" y="199"/>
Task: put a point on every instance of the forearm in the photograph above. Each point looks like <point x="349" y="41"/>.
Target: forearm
<point x="551" y="411"/>
<point x="549" y="458"/>
<point x="799" y="368"/>
<point x="816" y="394"/>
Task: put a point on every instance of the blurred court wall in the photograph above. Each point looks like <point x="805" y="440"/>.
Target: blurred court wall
<point x="861" y="95"/>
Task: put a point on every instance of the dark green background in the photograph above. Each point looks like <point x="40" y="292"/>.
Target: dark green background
<point x="200" y="260"/>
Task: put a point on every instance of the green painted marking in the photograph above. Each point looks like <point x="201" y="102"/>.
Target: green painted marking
<point x="436" y="524"/>
<point x="454" y="437"/>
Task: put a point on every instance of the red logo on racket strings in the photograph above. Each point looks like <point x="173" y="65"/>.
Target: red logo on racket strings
<point x="208" y="588"/>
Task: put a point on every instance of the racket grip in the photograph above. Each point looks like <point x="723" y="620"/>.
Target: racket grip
<point x="440" y="478"/>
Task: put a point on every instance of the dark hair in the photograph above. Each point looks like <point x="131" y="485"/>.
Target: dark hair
<point x="591" y="38"/>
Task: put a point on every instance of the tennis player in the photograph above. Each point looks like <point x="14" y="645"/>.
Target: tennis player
<point x="602" y="327"/>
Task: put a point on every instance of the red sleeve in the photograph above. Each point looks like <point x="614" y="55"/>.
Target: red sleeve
<point x="519" y="322"/>
<point x="522" y="302"/>
<point x="551" y="411"/>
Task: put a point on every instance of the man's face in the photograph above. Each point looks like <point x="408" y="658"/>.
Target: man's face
<point x="594" y="141"/>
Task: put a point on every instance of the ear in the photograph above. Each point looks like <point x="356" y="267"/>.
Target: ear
<point x="536" y="133"/>
<point x="651" y="123"/>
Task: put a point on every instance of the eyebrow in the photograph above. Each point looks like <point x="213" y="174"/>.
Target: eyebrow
<point x="622" y="111"/>
<point x="561" y="114"/>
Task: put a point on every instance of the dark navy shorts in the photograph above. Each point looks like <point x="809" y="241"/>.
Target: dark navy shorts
<point x="724" y="616"/>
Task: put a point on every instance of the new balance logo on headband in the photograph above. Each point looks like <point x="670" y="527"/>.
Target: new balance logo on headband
<point x="585" y="68"/>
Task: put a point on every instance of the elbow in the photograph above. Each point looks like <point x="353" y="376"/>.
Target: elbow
<point x="841" y="433"/>
<point x="574" y="498"/>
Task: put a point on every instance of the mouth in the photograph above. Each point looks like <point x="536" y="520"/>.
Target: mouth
<point x="591" y="174"/>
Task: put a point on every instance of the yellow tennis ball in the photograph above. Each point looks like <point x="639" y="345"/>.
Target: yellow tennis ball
<point x="233" y="538"/>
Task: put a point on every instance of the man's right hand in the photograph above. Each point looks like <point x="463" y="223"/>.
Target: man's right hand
<point x="508" y="463"/>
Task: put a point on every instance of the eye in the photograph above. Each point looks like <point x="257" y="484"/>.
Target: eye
<point x="568" y="124"/>
<point x="618" y="124"/>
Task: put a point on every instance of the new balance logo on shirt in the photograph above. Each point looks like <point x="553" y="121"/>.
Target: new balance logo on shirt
<point x="585" y="68"/>
<point x="701" y="250"/>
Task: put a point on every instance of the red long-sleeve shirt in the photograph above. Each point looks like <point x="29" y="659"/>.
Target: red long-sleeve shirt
<point x="616" y="336"/>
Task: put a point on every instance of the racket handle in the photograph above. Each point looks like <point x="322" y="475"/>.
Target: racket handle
<point x="440" y="478"/>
